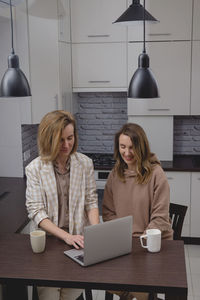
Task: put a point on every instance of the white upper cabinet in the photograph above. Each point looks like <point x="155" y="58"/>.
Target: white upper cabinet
<point x="157" y="138"/>
<point x="195" y="82"/>
<point x="175" y="21"/>
<point x="99" y="67"/>
<point x="64" y="21"/>
<point x="170" y="63"/>
<point x="91" y="21"/>
<point x="196" y="20"/>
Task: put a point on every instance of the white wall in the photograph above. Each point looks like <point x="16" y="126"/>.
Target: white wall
<point x="13" y="111"/>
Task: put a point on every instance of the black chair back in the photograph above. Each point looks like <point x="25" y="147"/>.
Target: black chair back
<point x="177" y="214"/>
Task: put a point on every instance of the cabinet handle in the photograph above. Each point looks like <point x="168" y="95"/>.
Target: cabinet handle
<point x="98" y="35"/>
<point x="99" y="81"/>
<point x="159" y="34"/>
<point x="158" y="109"/>
<point x="170" y="178"/>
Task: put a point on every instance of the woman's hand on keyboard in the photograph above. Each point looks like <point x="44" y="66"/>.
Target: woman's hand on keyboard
<point x="74" y="240"/>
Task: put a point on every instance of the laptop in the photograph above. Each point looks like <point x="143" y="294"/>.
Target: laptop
<point x="104" y="241"/>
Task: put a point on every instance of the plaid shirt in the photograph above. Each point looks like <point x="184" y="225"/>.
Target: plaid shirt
<point x="42" y="197"/>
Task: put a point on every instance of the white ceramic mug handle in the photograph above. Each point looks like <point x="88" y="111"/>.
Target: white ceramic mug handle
<point x="141" y="240"/>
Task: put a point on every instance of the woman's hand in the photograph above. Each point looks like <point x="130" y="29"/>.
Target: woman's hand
<point x="74" y="240"/>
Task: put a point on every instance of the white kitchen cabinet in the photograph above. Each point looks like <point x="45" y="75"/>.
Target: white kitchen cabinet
<point x="44" y="59"/>
<point x="65" y="75"/>
<point x="195" y="204"/>
<point x="4" y="11"/>
<point x="170" y="62"/>
<point x="196" y="20"/>
<point x="175" y="21"/>
<point x="64" y="21"/>
<point x="157" y="138"/>
<point x="195" y="82"/>
<point x="179" y="183"/>
<point x="99" y="67"/>
<point x="91" y="21"/>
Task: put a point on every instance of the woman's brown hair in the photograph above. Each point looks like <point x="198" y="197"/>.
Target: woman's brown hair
<point x="50" y="132"/>
<point x="142" y="153"/>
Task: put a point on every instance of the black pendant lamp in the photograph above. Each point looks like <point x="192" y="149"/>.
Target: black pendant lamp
<point x="14" y="82"/>
<point x="135" y="12"/>
<point x="142" y="84"/>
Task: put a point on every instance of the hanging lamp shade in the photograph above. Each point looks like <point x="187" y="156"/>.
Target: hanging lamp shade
<point x="14" y="82"/>
<point x="143" y="84"/>
<point x="135" y="12"/>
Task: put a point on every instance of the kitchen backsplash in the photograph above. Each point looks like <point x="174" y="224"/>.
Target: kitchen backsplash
<point x="29" y="143"/>
<point x="100" y="115"/>
<point x="186" y="135"/>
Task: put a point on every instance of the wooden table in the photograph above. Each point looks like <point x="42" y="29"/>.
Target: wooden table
<point x="163" y="272"/>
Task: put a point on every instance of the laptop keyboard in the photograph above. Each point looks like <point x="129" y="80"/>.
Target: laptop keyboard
<point x="79" y="257"/>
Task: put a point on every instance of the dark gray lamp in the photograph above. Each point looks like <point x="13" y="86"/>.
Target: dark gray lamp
<point x="142" y="84"/>
<point x="14" y="82"/>
<point x="135" y="12"/>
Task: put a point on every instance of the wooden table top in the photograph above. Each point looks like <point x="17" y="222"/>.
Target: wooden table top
<point x="140" y="270"/>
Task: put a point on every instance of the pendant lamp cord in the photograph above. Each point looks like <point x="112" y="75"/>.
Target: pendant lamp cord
<point x="144" y="47"/>
<point x="11" y="25"/>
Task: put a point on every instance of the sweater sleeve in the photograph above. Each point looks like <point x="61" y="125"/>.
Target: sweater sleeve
<point x="159" y="214"/>
<point x="108" y="208"/>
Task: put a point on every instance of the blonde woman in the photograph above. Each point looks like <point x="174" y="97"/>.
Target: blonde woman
<point x="61" y="191"/>
<point x="137" y="186"/>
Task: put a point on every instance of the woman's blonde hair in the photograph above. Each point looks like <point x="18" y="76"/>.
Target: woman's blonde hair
<point x="50" y="132"/>
<point x="142" y="153"/>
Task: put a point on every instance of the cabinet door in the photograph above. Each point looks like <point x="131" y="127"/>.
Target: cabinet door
<point x="99" y="67"/>
<point x="161" y="141"/>
<point x="196" y="20"/>
<point x="195" y="204"/>
<point x="44" y="58"/>
<point x="195" y="82"/>
<point x="92" y="20"/>
<point x="65" y="76"/>
<point x="179" y="183"/>
<point x="64" y="21"/>
<point x="170" y="63"/>
<point x="175" y="21"/>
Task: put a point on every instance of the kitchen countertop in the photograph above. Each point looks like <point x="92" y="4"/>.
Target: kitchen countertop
<point x="13" y="214"/>
<point x="183" y="163"/>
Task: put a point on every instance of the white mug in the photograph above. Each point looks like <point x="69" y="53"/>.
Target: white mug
<point x="38" y="240"/>
<point x="153" y="240"/>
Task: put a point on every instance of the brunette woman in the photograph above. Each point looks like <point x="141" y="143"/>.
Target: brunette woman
<point x="137" y="186"/>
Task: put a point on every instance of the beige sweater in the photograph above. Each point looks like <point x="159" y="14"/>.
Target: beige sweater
<point x="147" y="203"/>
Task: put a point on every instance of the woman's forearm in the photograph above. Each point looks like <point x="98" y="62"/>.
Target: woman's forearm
<point x="51" y="228"/>
<point x="93" y="216"/>
<point x="74" y="240"/>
